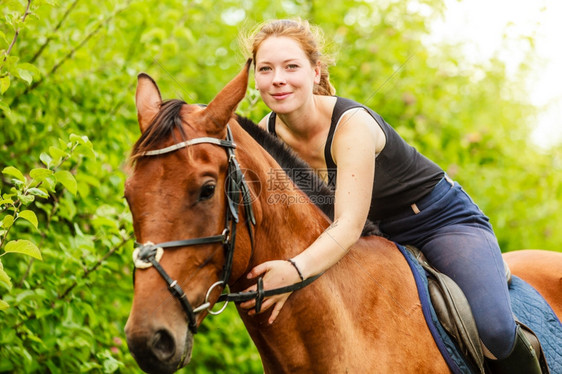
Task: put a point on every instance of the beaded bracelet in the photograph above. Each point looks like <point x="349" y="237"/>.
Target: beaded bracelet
<point x="296" y="267"/>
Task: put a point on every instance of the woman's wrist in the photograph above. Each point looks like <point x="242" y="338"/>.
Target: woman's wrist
<point x="292" y="262"/>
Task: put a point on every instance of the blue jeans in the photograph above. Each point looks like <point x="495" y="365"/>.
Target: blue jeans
<point x="458" y="240"/>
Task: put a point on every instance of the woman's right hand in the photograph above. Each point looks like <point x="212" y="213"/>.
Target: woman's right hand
<point x="276" y="274"/>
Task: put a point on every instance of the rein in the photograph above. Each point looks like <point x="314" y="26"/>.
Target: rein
<point x="260" y="294"/>
<point x="149" y="254"/>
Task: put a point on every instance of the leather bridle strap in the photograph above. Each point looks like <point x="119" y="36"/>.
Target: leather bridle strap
<point x="173" y="285"/>
<point x="189" y="242"/>
<point x="205" y="139"/>
<point x="260" y="293"/>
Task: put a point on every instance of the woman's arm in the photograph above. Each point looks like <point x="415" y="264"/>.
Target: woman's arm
<point x="355" y="144"/>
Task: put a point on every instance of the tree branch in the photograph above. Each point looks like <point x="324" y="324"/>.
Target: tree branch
<point x="16" y="34"/>
<point x="69" y="55"/>
<point x="96" y="265"/>
<point x="57" y="27"/>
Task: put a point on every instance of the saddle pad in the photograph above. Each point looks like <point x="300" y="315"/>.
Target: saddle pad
<point x="455" y="359"/>
<point x="532" y="310"/>
<point x="528" y="305"/>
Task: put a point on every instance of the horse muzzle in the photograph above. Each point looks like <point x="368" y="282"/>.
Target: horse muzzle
<point x="158" y="349"/>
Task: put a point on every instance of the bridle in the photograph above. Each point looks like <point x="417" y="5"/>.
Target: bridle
<point x="149" y="254"/>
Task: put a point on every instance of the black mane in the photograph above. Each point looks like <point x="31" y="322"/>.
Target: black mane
<point x="308" y="181"/>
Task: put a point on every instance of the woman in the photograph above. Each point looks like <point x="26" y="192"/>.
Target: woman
<point x="410" y="197"/>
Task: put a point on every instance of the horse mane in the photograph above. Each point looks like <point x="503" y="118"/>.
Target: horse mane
<point x="161" y="128"/>
<point x="308" y="181"/>
<point x="168" y="121"/>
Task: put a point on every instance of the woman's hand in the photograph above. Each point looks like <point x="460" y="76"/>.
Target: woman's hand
<point x="275" y="274"/>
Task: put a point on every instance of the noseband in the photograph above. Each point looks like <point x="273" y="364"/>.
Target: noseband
<point x="149" y="254"/>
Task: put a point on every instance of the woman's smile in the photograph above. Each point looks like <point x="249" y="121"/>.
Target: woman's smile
<point x="281" y="95"/>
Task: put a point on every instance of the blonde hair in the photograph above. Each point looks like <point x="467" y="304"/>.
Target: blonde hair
<point x="310" y="39"/>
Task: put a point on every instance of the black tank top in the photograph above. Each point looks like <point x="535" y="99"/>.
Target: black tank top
<point x="402" y="175"/>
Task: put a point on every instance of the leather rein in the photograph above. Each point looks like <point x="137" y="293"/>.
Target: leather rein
<point x="149" y="254"/>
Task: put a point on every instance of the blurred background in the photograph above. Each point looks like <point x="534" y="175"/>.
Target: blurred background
<point x="473" y="85"/>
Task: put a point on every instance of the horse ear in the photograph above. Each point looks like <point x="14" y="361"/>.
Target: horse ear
<point x="222" y="107"/>
<point x="147" y="99"/>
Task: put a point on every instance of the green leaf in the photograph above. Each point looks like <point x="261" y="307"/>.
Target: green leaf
<point x="46" y="159"/>
<point x="86" y="150"/>
<point x="18" y="184"/>
<point x="49" y="183"/>
<point x="4" y="305"/>
<point x="67" y="180"/>
<point x="57" y="154"/>
<point x="10" y="62"/>
<point x="4" y="84"/>
<point x="79" y="139"/>
<point x="12" y="171"/>
<point x="25" y="75"/>
<point x="6" y="201"/>
<point x="23" y="246"/>
<point x="5" y="278"/>
<point x="7" y="221"/>
<point x="38" y="192"/>
<point x="40" y="174"/>
<point x="32" y="69"/>
<point x="27" y="199"/>
<point x="29" y="216"/>
<point x="110" y="365"/>
<point x="5" y="108"/>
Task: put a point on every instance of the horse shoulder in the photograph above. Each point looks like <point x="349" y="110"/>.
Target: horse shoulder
<point x="388" y="308"/>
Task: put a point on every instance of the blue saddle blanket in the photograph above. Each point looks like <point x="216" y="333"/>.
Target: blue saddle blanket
<point x="528" y="306"/>
<point x="532" y="310"/>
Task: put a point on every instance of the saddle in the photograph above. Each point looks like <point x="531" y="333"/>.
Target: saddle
<point x="455" y="315"/>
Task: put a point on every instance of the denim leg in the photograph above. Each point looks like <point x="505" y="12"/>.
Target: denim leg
<point x="470" y="255"/>
<point x="458" y="240"/>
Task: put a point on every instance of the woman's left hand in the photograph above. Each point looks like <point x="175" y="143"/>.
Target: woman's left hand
<point x="275" y="274"/>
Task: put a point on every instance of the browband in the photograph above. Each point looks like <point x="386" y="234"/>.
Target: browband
<point x="161" y="151"/>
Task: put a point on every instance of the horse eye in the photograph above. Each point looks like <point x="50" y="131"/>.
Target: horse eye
<point x="207" y="191"/>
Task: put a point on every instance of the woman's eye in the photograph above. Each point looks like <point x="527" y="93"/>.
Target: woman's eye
<point x="264" y="68"/>
<point x="292" y="66"/>
<point x="207" y="191"/>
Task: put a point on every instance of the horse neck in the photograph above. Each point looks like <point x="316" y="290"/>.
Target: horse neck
<point x="287" y="222"/>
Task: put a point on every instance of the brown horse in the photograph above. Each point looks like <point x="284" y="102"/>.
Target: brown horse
<point x="363" y="315"/>
<point x="542" y="270"/>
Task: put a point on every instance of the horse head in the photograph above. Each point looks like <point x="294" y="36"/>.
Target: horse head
<point x="182" y="218"/>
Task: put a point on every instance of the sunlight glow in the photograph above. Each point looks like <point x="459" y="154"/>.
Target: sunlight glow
<point x="503" y="28"/>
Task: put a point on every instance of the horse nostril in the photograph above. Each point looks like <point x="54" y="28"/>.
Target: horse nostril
<point x="163" y="345"/>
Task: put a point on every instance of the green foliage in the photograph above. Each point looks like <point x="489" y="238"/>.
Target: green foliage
<point x="70" y="68"/>
<point x="15" y="205"/>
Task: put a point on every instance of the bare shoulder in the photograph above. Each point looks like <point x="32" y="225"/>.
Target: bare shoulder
<point x="357" y="119"/>
<point x="263" y="122"/>
<point x="356" y="125"/>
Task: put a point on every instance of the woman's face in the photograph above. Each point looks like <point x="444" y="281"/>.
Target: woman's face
<point x="284" y="75"/>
